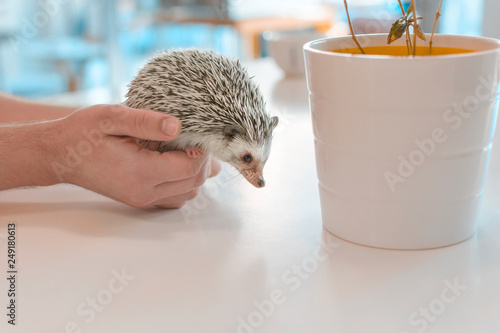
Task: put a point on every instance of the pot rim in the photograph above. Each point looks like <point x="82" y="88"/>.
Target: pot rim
<point x="312" y="47"/>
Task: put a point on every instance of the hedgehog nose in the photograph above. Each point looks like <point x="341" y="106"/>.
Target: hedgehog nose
<point x="261" y="182"/>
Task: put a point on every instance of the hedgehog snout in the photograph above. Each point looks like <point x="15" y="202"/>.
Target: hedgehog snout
<point x="261" y="182"/>
<point x="255" y="178"/>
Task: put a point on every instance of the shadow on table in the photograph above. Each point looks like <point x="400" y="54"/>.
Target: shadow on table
<point x="108" y="218"/>
<point x="389" y="287"/>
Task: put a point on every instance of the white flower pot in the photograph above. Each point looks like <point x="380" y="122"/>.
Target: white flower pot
<point x="402" y="144"/>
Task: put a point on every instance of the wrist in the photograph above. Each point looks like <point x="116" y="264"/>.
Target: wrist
<point x="49" y="150"/>
<point x="27" y="152"/>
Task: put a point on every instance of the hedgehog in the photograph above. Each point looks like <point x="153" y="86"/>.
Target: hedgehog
<point x="221" y="109"/>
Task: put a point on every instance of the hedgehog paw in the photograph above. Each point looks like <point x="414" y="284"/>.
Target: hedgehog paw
<point x="194" y="152"/>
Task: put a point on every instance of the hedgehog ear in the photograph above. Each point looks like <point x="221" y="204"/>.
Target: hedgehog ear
<point x="274" y="122"/>
<point x="230" y="131"/>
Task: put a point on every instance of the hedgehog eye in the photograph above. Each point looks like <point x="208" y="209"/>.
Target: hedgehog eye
<point x="247" y="158"/>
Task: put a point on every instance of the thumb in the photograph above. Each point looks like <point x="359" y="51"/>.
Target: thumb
<point x="142" y="124"/>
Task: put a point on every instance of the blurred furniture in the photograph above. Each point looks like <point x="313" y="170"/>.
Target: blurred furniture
<point x="490" y="27"/>
<point x="249" y="26"/>
<point x="69" y="55"/>
<point x="43" y="49"/>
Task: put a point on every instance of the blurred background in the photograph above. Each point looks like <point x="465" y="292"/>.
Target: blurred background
<point x="52" y="47"/>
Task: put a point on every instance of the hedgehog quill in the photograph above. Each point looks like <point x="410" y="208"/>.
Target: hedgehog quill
<point x="221" y="109"/>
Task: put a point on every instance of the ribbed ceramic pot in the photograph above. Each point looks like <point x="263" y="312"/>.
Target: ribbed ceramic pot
<point x="402" y="144"/>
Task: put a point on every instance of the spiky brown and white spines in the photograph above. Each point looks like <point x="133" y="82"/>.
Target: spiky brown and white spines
<point x="221" y="109"/>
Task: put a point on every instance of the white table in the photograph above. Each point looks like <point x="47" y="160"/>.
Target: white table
<point x="237" y="258"/>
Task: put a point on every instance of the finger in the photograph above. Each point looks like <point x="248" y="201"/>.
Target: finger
<point x="171" y="189"/>
<point x="178" y="201"/>
<point x="138" y="123"/>
<point x="170" y="166"/>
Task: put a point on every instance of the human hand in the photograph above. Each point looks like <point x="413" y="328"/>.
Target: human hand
<point x="95" y="148"/>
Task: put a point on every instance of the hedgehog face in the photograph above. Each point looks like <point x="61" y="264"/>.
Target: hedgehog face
<point x="247" y="156"/>
<point x="249" y="160"/>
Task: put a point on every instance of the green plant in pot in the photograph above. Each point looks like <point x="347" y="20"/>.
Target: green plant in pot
<point x="402" y="142"/>
<point x="401" y="27"/>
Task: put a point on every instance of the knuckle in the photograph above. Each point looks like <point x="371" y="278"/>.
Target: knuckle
<point x="105" y="110"/>
<point x="140" y="122"/>
<point x="108" y="112"/>
<point x="104" y="117"/>
<point x="115" y="108"/>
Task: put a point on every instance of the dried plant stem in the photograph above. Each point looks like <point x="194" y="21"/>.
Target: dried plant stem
<point x="414" y="42"/>
<point x="408" y="40"/>
<point x="402" y="8"/>
<point x="352" y="30"/>
<point x="438" y="14"/>
<point x="415" y="24"/>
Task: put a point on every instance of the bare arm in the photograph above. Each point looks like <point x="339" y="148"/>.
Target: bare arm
<point x="95" y="148"/>
<point x="17" y="109"/>
<point x="25" y="153"/>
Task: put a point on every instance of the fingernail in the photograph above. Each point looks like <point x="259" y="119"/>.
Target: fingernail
<point x="170" y="126"/>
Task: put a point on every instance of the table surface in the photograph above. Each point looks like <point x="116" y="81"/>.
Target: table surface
<point x="237" y="258"/>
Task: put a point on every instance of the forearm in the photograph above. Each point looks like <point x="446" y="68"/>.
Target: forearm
<point x="26" y="155"/>
<point x="16" y="109"/>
